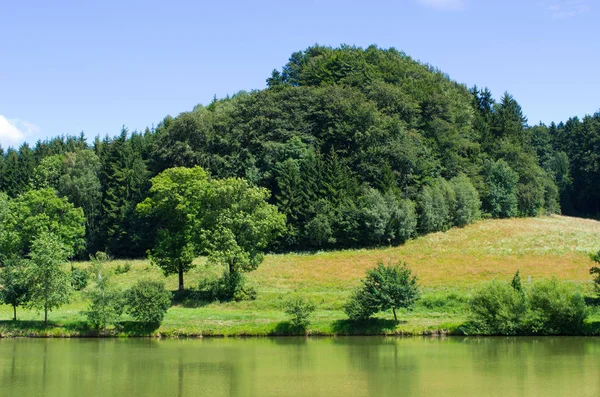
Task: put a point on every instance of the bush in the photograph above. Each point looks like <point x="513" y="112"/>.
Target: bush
<point x="148" y="301"/>
<point x="595" y="271"/>
<point x="79" y="279"/>
<point x="299" y="309"/>
<point x="124" y="269"/>
<point x="555" y="308"/>
<point x="106" y="307"/>
<point x="549" y="307"/>
<point x="498" y="308"/>
<point x="385" y="287"/>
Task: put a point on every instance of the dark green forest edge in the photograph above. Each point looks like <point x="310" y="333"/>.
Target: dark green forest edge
<point x="345" y="148"/>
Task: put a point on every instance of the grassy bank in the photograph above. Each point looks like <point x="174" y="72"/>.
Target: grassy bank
<point x="449" y="265"/>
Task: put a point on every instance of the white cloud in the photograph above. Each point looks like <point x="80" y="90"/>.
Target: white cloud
<point x="443" y="4"/>
<point x="13" y="132"/>
<point x="567" y="8"/>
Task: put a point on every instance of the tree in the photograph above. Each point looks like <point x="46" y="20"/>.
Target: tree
<point x="176" y="202"/>
<point x="226" y="219"/>
<point x="500" y="196"/>
<point x="385" y="287"/>
<point x="49" y="284"/>
<point x="595" y="271"/>
<point x="148" y="301"/>
<point x="41" y="211"/>
<point x="106" y="301"/>
<point x="238" y="225"/>
<point x="13" y="285"/>
<point x="79" y="182"/>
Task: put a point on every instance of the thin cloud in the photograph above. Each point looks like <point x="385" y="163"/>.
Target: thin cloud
<point x="568" y="8"/>
<point x="443" y="4"/>
<point x="13" y="132"/>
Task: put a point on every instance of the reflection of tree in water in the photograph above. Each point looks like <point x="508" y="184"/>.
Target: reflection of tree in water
<point x="389" y="365"/>
<point x="532" y="364"/>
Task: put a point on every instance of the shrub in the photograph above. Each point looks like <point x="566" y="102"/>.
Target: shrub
<point x="106" y="301"/>
<point x="498" y="308"/>
<point x="148" y="301"/>
<point x="555" y="308"/>
<point x="79" y="279"/>
<point x="106" y="306"/>
<point x="549" y="307"/>
<point x="124" y="269"/>
<point x="595" y="271"/>
<point x="300" y="310"/>
<point x="385" y="287"/>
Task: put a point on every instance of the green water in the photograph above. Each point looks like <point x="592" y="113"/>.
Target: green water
<point x="301" y="367"/>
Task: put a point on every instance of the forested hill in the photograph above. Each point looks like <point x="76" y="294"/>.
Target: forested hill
<point x="359" y="147"/>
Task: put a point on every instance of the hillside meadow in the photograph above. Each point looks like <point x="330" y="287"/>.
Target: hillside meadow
<point x="449" y="266"/>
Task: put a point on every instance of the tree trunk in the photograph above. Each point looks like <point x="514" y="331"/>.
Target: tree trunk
<point x="180" y="278"/>
<point x="394" y="311"/>
<point x="15" y="312"/>
<point x="45" y="316"/>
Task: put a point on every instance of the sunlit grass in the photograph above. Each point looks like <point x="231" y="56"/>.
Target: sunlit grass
<point x="449" y="265"/>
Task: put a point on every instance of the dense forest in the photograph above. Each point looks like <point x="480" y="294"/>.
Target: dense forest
<point x="357" y="147"/>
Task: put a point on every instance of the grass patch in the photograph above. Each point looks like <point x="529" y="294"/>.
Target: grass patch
<point x="449" y="265"/>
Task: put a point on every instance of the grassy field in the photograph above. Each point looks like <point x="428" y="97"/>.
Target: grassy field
<point x="449" y="266"/>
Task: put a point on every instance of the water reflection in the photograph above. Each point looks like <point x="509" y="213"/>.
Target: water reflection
<point x="301" y="367"/>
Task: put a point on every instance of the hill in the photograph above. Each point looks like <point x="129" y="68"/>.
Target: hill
<point x="449" y="265"/>
<point x="358" y="147"/>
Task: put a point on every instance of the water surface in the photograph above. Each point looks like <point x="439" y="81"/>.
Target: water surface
<point x="345" y="367"/>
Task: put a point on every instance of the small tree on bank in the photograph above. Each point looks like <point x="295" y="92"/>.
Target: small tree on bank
<point x="385" y="287"/>
<point x="49" y="285"/>
<point x="106" y="301"/>
<point x="13" y="285"/>
<point x="595" y="271"/>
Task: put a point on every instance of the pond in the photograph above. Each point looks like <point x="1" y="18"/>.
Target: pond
<point x="343" y="366"/>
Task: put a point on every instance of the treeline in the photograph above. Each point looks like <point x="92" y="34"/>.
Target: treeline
<point x="357" y="147"/>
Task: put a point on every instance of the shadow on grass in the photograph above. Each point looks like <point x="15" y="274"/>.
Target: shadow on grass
<point x="137" y="328"/>
<point x="592" y="301"/>
<point x="373" y="326"/>
<point x="285" y="328"/>
<point x="192" y="298"/>
<point x="39" y="328"/>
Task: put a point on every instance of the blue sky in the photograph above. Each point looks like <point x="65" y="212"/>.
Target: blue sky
<point x="72" y="66"/>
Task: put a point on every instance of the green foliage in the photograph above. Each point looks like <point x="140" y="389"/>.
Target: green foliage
<point x="123" y="269"/>
<point x="548" y="307"/>
<point x="595" y="271"/>
<point x="79" y="278"/>
<point x="498" y="308"/>
<point x="436" y="206"/>
<point x="299" y="309"/>
<point x="500" y="193"/>
<point x="385" y="287"/>
<point x="37" y="212"/>
<point x="148" y="301"/>
<point x="467" y="203"/>
<point x="516" y="283"/>
<point x="556" y="308"/>
<point x="14" y="288"/>
<point x="49" y="285"/>
<point x="106" y="300"/>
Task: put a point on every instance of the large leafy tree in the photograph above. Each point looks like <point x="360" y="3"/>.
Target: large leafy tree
<point x="36" y="212"/>
<point x="228" y="220"/>
<point x="175" y="203"/>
